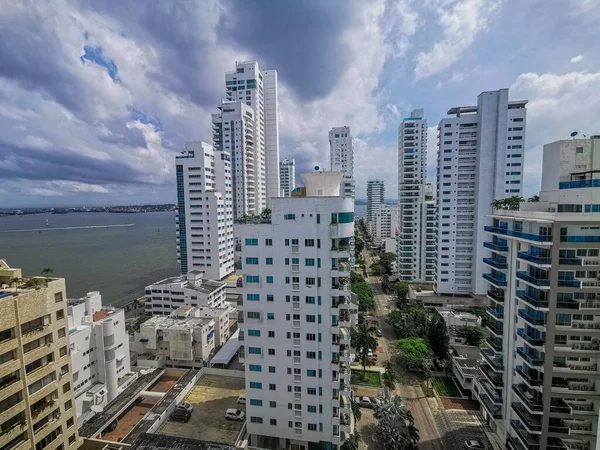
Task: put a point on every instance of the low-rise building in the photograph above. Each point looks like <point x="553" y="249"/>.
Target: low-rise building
<point x="465" y="364"/>
<point x="457" y="319"/>
<point x="99" y="352"/>
<point x="181" y="339"/>
<point x="384" y="222"/>
<point x="190" y="289"/>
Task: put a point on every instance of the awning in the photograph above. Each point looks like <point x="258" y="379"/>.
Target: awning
<point x="228" y="350"/>
<point x="211" y="333"/>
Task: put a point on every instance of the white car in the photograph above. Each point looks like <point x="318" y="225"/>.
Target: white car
<point x="242" y="399"/>
<point x="366" y="402"/>
<point x="474" y="445"/>
<point x="235" y="414"/>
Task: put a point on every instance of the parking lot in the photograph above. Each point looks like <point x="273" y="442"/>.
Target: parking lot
<point x="210" y="397"/>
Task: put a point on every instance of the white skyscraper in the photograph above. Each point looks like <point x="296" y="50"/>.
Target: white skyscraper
<point x="375" y="197"/>
<point x="205" y="211"/>
<point x="385" y="222"/>
<point x="287" y="176"/>
<point x="413" y="250"/>
<point x="480" y="158"/>
<point x="296" y="317"/>
<point x="341" y="156"/>
<point x="251" y="135"/>
<point x="540" y="383"/>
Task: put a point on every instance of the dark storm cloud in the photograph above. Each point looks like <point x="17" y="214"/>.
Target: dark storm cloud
<point x="300" y="39"/>
<point x="55" y="163"/>
<point x="31" y="56"/>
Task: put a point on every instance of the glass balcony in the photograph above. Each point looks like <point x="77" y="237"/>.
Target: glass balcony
<point x="535" y="281"/>
<point x="532" y="422"/>
<point x="534" y="258"/>
<point x="536" y="303"/>
<point x="530" y="237"/>
<point x="494" y="378"/>
<point x="569" y="283"/>
<point x="580" y="239"/>
<point x="494" y="410"/>
<point x="494" y="343"/>
<point x="495" y="328"/>
<point x="500" y="247"/>
<point x="531" y="441"/>
<point x="493" y="279"/>
<point x="577" y="184"/>
<point x="497" y="296"/>
<point x="535" y="321"/>
<point x="532" y="402"/>
<point x="496" y="230"/>
<point x="531" y="340"/>
<point x="532" y="380"/>
<point x="531" y="359"/>
<point x="496" y="264"/>
<point x="494" y="361"/>
<point x="570" y="261"/>
<point x="499" y="315"/>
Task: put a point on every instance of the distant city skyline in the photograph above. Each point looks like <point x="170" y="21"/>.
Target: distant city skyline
<point x="94" y="109"/>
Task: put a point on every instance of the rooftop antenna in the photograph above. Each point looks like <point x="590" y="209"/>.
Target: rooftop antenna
<point x="573" y="134"/>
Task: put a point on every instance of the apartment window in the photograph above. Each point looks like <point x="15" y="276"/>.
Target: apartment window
<point x="272" y="387"/>
<point x="255" y="333"/>
<point x="318" y="218"/>
<point x="312" y="427"/>
<point x="269" y="261"/>
<point x="255" y="368"/>
<point x="271" y="369"/>
<point x="311" y="373"/>
<point x="310" y="300"/>
<point x="253" y="315"/>
<point x="310" y="318"/>
<point x="311" y="391"/>
<point x="60" y="314"/>
<point x="254" y="350"/>
<point x="311" y="355"/>
<point x="62" y="333"/>
<point x="71" y="440"/>
<point x="289" y="216"/>
<point x="309" y="262"/>
<point x="311" y="408"/>
<point x="251" y="241"/>
<point x="309" y="242"/>
<point x="253" y="297"/>
<point x="271" y="334"/>
<point x="287" y="242"/>
<point x="269" y="279"/>
<point x="287" y="261"/>
<point x="310" y="336"/>
<point x="58" y="297"/>
<point x="269" y="298"/>
<point x="271" y="352"/>
<point x="273" y="422"/>
<point x="251" y="260"/>
<point x="269" y="242"/>
<point x="255" y="402"/>
<point x="270" y="316"/>
<point x="255" y="385"/>
<point x="255" y="419"/>
<point x="70" y="422"/>
<point x="310" y="281"/>
<point x="252" y="278"/>
<point x="63" y="351"/>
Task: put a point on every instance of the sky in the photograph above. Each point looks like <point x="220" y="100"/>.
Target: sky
<point x="97" y="97"/>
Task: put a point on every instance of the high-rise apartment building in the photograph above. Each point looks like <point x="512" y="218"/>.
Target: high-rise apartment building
<point x="96" y="370"/>
<point x="480" y="159"/>
<point x="341" y="157"/>
<point x="37" y="405"/>
<point x="204" y="211"/>
<point x="296" y="317"/>
<point x="287" y="176"/>
<point x="375" y="198"/>
<point x="414" y="213"/>
<point x="540" y="384"/>
<point x="248" y="128"/>
<point x="385" y="223"/>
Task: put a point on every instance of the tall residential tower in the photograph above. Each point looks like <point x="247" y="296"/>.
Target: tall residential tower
<point x="341" y="157"/>
<point x="375" y="198"/>
<point x="296" y="317"/>
<point x="480" y="159"/>
<point x="415" y="253"/>
<point x="540" y="383"/>
<point x="204" y="211"/>
<point x="287" y="176"/>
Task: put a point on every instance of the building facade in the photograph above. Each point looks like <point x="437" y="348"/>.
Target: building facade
<point x="99" y="352"/>
<point x="257" y="140"/>
<point x="37" y="405"/>
<point x="480" y="159"/>
<point x="204" y="193"/>
<point x="541" y="378"/>
<point x="385" y="223"/>
<point x="191" y="289"/>
<point x="296" y="317"/>
<point x="375" y="198"/>
<point x="413" y="210"/>
<point x="287" y="176"/>
<point x="341" y="157"/>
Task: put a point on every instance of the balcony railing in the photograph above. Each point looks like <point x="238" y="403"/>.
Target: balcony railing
<point x="535" y="321"/>
<point x="493" y="360"/>
<point x="532" y="403"/>
<point x="580" y="239"/>
<point x="576" y="184"/>
<point x="496" y="264"/>
<point x="498" y="282"/>
<point x="532" y="360"/>
<point x="569" y="283"/>
<point x="531" y="300"/>
<point x="530" y="441"/>
<point x="533" y="422"/>
<point x="493" y="377"/>
<point x="495" y="328"/>
<point x="536" y="281"/>
<point x="531" y="380"/>
<point x="496" y="295"/>
<point x="496" y="345"/>
<point x="537" y="342"/>
<point x="496" y="247"/>
<point x="533" y="258"/>
<point x="494" y="410"/>
<point x="497" y="314"/>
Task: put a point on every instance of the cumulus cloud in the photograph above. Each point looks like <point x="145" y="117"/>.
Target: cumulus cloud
<point x="553" y="98"/>
<point x="577" y="59"/>
<point x="461" y="23"/>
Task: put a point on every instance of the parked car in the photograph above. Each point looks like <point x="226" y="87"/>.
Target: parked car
<point x="366" y="402"/>
<point x="180" y="415"/>
<point x="242" y="399"/>
<point x="474" y="445"/>
<point x="379" y="333"/>
<point x="235" y="414"/>
<point x="185" y="407"/>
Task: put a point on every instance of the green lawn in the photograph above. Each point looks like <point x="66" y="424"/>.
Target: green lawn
<point x="372" y="378"/>
<point x="445" y="387"/>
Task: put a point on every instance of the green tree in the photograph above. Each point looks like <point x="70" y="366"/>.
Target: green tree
<point x="16" y="282"/>
<point x="482" y="313"/>
<point x="365" y="295"/>
<point x="356" y="278"/>
<point x="46" y="273"/>
<point x="356" y="411"/>
<point x="389" y="376"/>
<point x="363" y="339"/>
<point x="377" y="269"/>
<point x="508" y="203"/>
<point x="359" y="245"/>
<point x="415" y="354"/>
<point x="386" y="284"/>
<point x="437" y="335"/>
<point x="351" y="443"/>
<point x="472" y="335"/>
<point x="395" y="429"/>
<point x="533" y="199"/>
<point x="266" y="213"/>
<point x="386" y="260"/>
<point x="401" y="289"/>
<point x="409" y="322"/>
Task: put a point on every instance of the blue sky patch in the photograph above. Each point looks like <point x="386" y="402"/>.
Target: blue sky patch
<point x="95" y="55"/>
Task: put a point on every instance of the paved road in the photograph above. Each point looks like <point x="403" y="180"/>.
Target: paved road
<point x="409" y="389"/>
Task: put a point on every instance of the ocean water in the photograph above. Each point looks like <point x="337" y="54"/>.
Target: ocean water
<point x="119" y="262"/>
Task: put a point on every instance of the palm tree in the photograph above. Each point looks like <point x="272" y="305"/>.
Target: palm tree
<point x="266" y="213"/>
<point x="17" y="282"/>
<point x="356" y="411"/>
<point x="352" y="442"/>
<point x="46" y="272"/>
<point x="363" y="339"/>
<point x="389" y="376"/>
